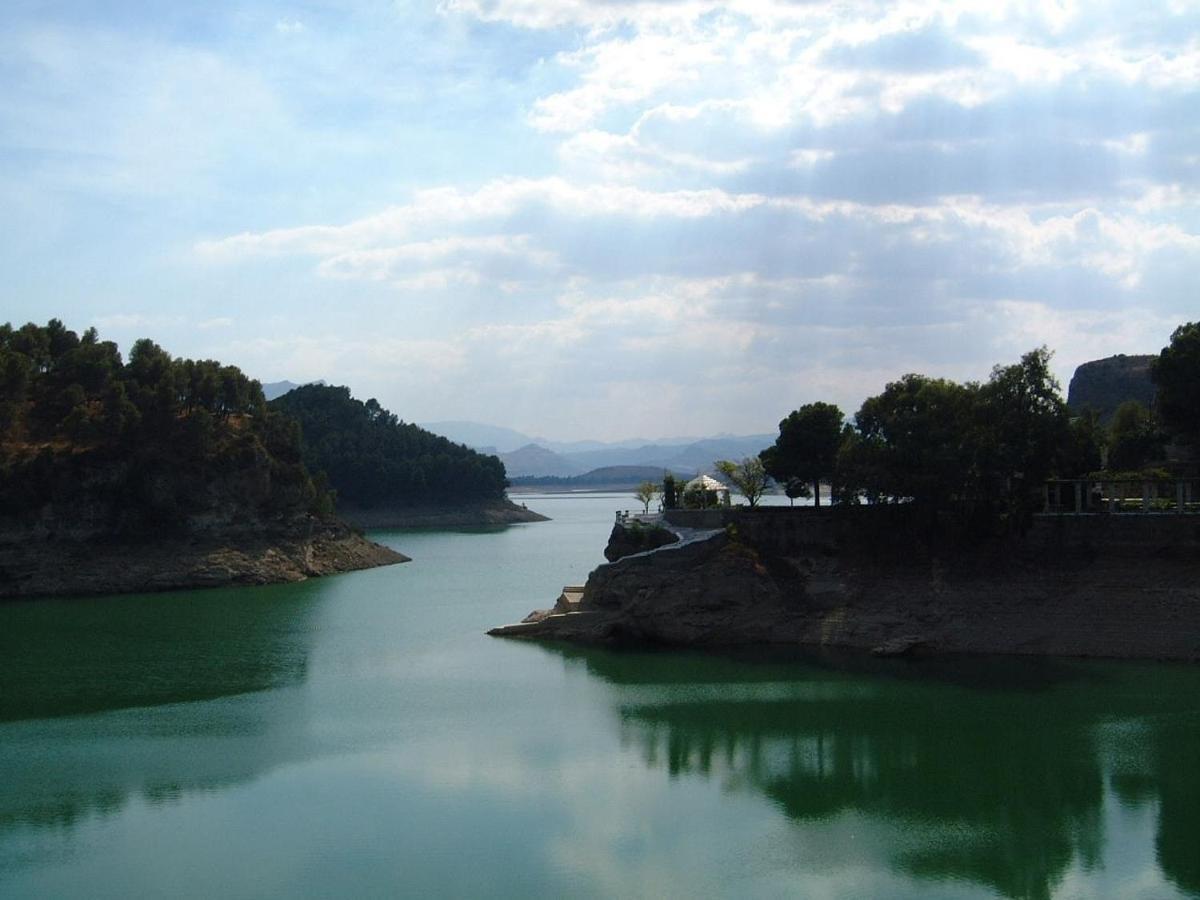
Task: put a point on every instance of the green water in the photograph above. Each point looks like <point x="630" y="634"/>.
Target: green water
<point x="359" y="736"/>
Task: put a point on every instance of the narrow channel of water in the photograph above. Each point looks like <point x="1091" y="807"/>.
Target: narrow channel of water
<point x="360" y="736"/>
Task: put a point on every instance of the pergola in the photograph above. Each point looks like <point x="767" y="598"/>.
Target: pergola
<point x="705" y="484"/>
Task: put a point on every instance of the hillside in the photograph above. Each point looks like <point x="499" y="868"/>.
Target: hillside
<point x="274" y="389"/>
<point x="375" y="461"/>
<point x="91" y="444"/>
<point x="538" y="461"/>
<point x="102" y="461"/>
<point x="1104" y="384"/>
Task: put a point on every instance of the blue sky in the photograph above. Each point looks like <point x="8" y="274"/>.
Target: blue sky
<point x="595" y="220"/>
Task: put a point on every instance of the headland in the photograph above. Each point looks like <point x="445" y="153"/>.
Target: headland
<point x="871" y="578"/>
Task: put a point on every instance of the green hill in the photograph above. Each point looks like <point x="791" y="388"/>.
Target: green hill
<point x="372" y="459"/>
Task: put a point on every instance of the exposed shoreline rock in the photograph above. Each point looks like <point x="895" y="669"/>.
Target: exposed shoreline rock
<point x="503" y="512"/>
<point x="304" y="548"/>
<point x="1122" y="589"/>
<point x="625" y="541"/>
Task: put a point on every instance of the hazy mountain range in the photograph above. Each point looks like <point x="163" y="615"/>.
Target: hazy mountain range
<point x="524" y="454"/>
<point x="275" y="389"/>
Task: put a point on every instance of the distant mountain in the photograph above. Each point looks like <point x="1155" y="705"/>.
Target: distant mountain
<point x="1104" y="384"/>
<point x="606" y="478"/>
<point x="493" y="438"/>
<point x="695" y="456"/>
<point x="278" y="388"/>
<point x="524" y="455"/>
<point x="534" y="460"/>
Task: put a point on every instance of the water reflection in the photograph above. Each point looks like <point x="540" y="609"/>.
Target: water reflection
<point x="995" y="771"/>
<point x="97" y="699"/>
<point x="1177" y="759"/>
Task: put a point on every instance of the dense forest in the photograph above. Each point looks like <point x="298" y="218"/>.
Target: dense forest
<point x="93" y="444"/>
<point x="372" y="459"/>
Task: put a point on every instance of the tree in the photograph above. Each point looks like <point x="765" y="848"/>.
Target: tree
<point x="911" y="442"/>
<point x="1022" y="426"/>
<point x="1133" y="438"/>
<point x="1082" y="452"/>
<point x="807" y="446"/>
<point x="670" y="491"/>
<point x="983" y="450"/>
<point x="1176" y="373"/>
<point x="794" y="489"/>
<point x="749" y="477"/>
<point x="645" y="493"/>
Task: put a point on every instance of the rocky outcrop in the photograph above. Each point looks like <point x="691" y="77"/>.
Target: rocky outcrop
<point x="503" y="512"/>
<point x="626" y="541"/>
<point x="1104" y="384"/>
<point x="303" y="548"/>
<point x="1121" y="588"/>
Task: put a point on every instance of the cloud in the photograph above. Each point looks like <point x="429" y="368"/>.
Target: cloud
<point x="616" y="210"/>
<point x="928" y="49"/>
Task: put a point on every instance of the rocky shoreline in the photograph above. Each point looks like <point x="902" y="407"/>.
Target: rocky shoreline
<point x="297" y="550"/>
<point x="1121" y="589"/>
<point x="467" y="516"/>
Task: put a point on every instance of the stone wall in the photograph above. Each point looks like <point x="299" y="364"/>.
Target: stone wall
<point x="786" y="531"/>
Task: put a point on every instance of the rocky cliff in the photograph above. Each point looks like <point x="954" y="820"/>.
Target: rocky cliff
<point x="1104" y="384"/>
<point x="1120" y="587"/>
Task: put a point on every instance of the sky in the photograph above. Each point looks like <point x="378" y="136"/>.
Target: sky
<point x="595" y="220"/>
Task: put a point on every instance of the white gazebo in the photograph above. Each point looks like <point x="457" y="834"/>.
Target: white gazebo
<point x="707" y="484"/>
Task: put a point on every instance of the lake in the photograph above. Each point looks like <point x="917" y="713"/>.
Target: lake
<point x="360" y="736"/>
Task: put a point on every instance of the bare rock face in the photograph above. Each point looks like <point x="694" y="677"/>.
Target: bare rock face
<point x="1069" y="588"/>
<point x="1104" y="384"/>
<point x="710" y="593"/>
<point x="687" y="598"/>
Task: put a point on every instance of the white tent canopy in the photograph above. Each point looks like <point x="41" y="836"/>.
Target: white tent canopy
<point x="705" y="483"/>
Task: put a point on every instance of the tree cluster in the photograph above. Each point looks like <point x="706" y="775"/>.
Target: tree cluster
<point x="975" y="449"/>
<point x="982" y="450"/>
<point x="144" y="440"/>
<point x="371" y="458"/>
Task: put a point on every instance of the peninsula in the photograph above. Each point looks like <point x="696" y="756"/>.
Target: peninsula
<point x="392" y="474"/>
<point x="152" y="473"/>
<point x="974" y="518"/>
<point x="864" y="577"/>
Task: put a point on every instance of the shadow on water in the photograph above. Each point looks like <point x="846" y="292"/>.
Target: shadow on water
<point x="995" y="770"/>
<point x="98" y="697"/>
<point x="67" y="657"/>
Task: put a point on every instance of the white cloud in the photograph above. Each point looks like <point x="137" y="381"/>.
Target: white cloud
<point x="748" y="203"/>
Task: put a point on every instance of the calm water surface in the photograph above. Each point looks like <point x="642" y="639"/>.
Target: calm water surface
<point x="359" y="736"/>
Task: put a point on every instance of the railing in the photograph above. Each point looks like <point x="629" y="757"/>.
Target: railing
<point x="625" y="517"/>
<point x="1087" y="496"/>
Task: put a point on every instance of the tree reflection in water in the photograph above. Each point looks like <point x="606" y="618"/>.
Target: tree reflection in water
<point x="995" y="770"/>
<point x="143" y="661"/>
